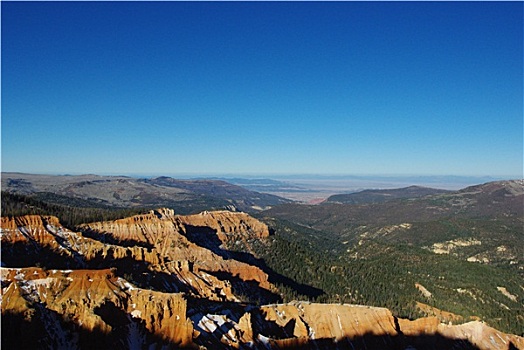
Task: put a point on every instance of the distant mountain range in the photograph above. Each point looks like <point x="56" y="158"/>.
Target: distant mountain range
<point x="381" y="196"/>
<point x="185" y="196"/>
<point x="264" y="185"/>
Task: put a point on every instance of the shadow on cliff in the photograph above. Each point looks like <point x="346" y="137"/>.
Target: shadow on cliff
<point x="22" y="254"/>
<point x="109" y="238"/>
<point x="41" y="328"/>
<point x="370" y="341"/>
<point x="44" y="328"/>
<point x="248" y="291"/>
<point x="282" y="337"/>
<point x="140" y="273"/>
<point x="207" y="237"/>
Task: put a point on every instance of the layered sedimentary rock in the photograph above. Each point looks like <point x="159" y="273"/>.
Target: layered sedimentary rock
<point x="163" y="280"/>
<point x="159" y="245"/>
<point x="191" y="243"/>
<point x="94" y="300"/>
<point x="228" y="224"/>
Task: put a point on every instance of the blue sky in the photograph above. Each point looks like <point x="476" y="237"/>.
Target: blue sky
<point x="263" y="88"/>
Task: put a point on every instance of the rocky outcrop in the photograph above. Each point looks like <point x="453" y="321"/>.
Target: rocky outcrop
<point x="477" y="334"/>
<point x="173" y="249"/>
<point x="33" y="234"/>
<point x="165" y="281"/>
<point x="228" y="224"/>
<point x="331" y="321"/>
<point x="330" y="326"/>
<point x="29" y="228"/>
<point x="95" y="300"/>
<point x="156" y="226"/>
<point x="186" y="246"/>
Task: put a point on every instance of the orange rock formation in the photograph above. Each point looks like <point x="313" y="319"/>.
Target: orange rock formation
<point x="186" y="251"/>
<point x="161" y="242"/>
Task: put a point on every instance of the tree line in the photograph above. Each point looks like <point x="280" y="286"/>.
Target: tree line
<point x="70" y="211"/>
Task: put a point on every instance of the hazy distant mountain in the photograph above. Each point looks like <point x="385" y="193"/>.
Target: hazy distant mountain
<point x="185" y="196"/>
<point x="264" y="185"/>
<point x="380" y="196"/>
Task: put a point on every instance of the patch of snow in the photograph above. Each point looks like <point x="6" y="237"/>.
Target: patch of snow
<point x="264" y="340"/>
<point x="205" y="276"/>
<point x="136" y="313"/>
<point x="311" y="333"/>
<point x="502" y="339"/>
<point x="210" y="323"/>
<point x="280" y="314"/>
<point x="231" y="335"/>
<point x="46" y="282"/>
<point x="23" y="230"/>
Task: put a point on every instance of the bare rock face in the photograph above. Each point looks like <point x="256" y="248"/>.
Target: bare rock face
<point x="161" y="280"/>
<point x="328" y="326"/>
<point x="181" y="253"/>
<point x="94" y="300"/>
<point x="332" y="321"/>
<point x="227" y="223"/>
<point x="39" y="234"/>
<point x="30" y="227"/>
<point x="190" y="245"/>
<point x="476" y="333"/>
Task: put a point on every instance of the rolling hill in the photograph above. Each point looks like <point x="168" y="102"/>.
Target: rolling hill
<point x="187" y="196"/>
<point x="381" y="196"/>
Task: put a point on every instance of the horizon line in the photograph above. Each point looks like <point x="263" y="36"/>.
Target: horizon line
<point x="266" y="175"/>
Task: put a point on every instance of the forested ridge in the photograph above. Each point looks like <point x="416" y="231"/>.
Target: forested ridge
<point x="70" y="211"/>
<point x="385" y="275"/>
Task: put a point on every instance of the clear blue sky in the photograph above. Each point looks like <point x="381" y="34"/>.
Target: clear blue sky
<point x="263" y="88"/>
